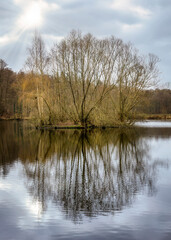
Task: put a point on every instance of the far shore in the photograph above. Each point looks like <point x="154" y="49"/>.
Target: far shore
<point x="143" y="117"/>
<point x="139" y="117"/>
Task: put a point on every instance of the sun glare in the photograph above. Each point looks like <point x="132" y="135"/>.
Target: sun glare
<point x="32" y="17"/>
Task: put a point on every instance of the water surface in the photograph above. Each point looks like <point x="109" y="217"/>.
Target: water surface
<point x="108" y="184"/>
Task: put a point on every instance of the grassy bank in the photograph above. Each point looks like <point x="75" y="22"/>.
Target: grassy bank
<point x="70" y="125"/>
<point x="153" y="117"/>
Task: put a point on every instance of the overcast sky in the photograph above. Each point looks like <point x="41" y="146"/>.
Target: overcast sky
<point x="145" y="23"/>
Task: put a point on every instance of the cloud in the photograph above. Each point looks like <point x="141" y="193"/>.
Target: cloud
<point x="131" y="27"/>
<point x="8" y="38"/>
<point x="4" y="39"/>
<point x="130" y="6"/>
<point x="48" y="6"/>
<point x="145" y="23"/>
<point x="30" y="15"/>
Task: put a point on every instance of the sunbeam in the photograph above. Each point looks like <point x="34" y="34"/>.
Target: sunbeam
<point x="32" y="17"/>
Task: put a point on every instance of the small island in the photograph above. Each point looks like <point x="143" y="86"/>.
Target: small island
<point x="83" y="82"/>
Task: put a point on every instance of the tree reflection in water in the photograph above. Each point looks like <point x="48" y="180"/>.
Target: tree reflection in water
<point x="90" y="173"/>
<point x="86" y="173"/>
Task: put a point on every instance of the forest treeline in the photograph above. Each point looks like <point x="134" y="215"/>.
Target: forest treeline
<point x="82" y="80"/>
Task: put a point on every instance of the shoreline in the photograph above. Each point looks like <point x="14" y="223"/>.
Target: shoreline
<point x="60" y="126"/>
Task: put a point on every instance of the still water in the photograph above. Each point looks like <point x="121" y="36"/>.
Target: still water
<point x="102" y="184"/>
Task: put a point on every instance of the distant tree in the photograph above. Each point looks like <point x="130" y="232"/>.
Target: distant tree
<point x="156" y="101"/>
<point x="3" y="64"/>
<point x="7" y="93"/>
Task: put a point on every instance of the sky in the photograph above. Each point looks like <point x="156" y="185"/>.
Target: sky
<point x="144" y="23"/>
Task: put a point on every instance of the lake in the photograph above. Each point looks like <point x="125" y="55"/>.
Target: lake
<point x="72" y="184"/>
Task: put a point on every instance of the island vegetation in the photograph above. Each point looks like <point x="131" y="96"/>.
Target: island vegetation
<point x="83" y="81"/>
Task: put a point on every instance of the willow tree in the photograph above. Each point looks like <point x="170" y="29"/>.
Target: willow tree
<point x="133" y="74"/>
<point x="86" y="66"/>
<point x="36" y="64"/>
<point x="84" y="73"/>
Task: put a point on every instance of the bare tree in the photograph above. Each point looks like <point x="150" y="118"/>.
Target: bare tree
<point x="37" y="63"/>
<point x="90" y="79"/>
<point x="134" y="73"/>
<point x="86" y="66"/>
